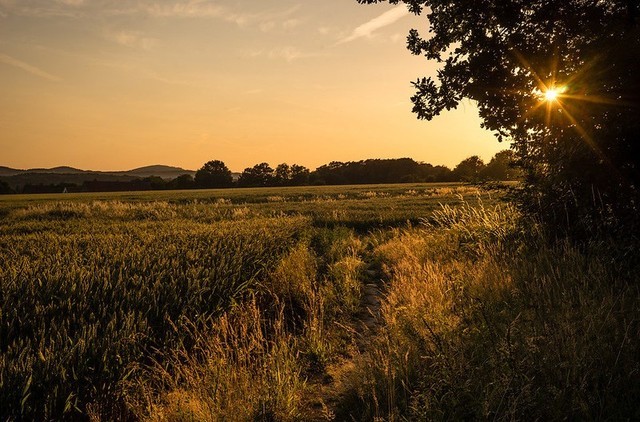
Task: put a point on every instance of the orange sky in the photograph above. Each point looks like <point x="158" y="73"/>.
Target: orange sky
<point x="118" y="84"/>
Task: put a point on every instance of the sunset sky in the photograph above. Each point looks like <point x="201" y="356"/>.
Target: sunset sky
<point x="118" y="84"/>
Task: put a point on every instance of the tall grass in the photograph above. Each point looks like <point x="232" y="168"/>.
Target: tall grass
<point x="247" y="308"/>
<point x="243" y="367"/>
<point x="253" y="362"/>
<point x="486" y="320"/>
<point x="81" y="302"/>
<point x="116" y="310"/>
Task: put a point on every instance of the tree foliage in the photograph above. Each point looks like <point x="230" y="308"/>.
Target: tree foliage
<point x="259" y="175"/>
<point x="214" y="174"/>
<point x="184" y="181"/>
<point x="282" y="174"/>
<point x="380" y="171"/>
<point x="299" y="175"/>
<point x="5" y="188"/>
<point x="580" y="151"/>
<point x="502" y="167"/>
<point x="469" y="169"/>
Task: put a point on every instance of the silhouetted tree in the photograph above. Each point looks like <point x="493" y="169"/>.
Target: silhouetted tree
<point x="184" y="181"/>
<point x="258" y="175"/>
<point x="141" y="184"/>
<point x="282" y="175"/>
<point x="154" y="183"/>
<point x="469" y="169"/>
<point x="439" y="174"/>
<point x="397" y="170"/>
<point x="501" y="167"/>
<point x="299" y="175"/>
<point x="329" y="174"/>
<point x="5" y="188"/>
<point x="214" y="174"/>
<point x="581" y="150"/>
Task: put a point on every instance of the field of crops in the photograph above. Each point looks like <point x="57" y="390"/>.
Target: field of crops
<point x="95" y="286"/>
<point x="357" y="206"/>
<point x="378" y="302"/>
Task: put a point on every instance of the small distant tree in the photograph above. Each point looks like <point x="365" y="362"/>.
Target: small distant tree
<point x="184" y="181"/>
<point x="5" y="188"/>
<point x="469" y="169"/>
<point x="330" y="174"/>
<point x="282" y="175"/>
<point x="502" y="167"/>
<point x="299" y="175"/>
<point x="154" y="183"/>
<point x="214" y="174"/>
<point x="442" y="174"/>
<point x="259" y="175"/>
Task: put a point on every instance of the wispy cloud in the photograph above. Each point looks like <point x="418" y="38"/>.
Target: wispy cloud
<point x="71" y="2"/>
<point x="195" y="9"/>
<point x="39" y="8"/>
<point x="82" y="8"/>
<point x="146" y="73"/>
<point x="265" y="21"/>
<point x="181" y="9"/>
<point x="368" y="28"/>
<point x="11" y="61"/>
<point x="287" y="53"/>
<point x="132" y="39"/>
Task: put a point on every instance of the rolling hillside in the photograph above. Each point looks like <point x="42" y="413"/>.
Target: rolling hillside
<point x="17" y="178"/>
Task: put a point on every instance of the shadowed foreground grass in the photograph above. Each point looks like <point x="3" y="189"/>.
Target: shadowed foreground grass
<point x="484" y="320"/>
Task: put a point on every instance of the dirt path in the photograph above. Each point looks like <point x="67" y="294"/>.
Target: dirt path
<point x="324" y="392"/>
<point x="369" y="314"/>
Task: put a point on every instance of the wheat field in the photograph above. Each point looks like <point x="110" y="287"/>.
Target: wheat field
<point x="384" y="302"/>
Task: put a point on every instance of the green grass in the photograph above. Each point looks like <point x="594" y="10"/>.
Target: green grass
<point x="79" y="307"/>
<point x="239" y="195"/>
<point x="361" y="207"/>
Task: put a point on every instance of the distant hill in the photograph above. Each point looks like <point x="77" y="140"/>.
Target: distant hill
<point x="18" y="181"/>
<point x="17" y="178"/>
<point x="57" y="170"/>
<point x="8" y="171"/>
<point x="166" y="172"/>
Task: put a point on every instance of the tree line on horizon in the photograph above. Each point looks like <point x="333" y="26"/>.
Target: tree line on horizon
<point x="216" y="174"/>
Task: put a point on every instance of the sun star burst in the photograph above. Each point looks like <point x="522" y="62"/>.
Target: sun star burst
<point x="552" y="94"/>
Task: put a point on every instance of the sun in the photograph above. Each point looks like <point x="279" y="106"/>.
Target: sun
<point x="552" y="94"/>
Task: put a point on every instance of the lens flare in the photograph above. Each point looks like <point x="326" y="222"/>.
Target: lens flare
<point x="552" y="94"/>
